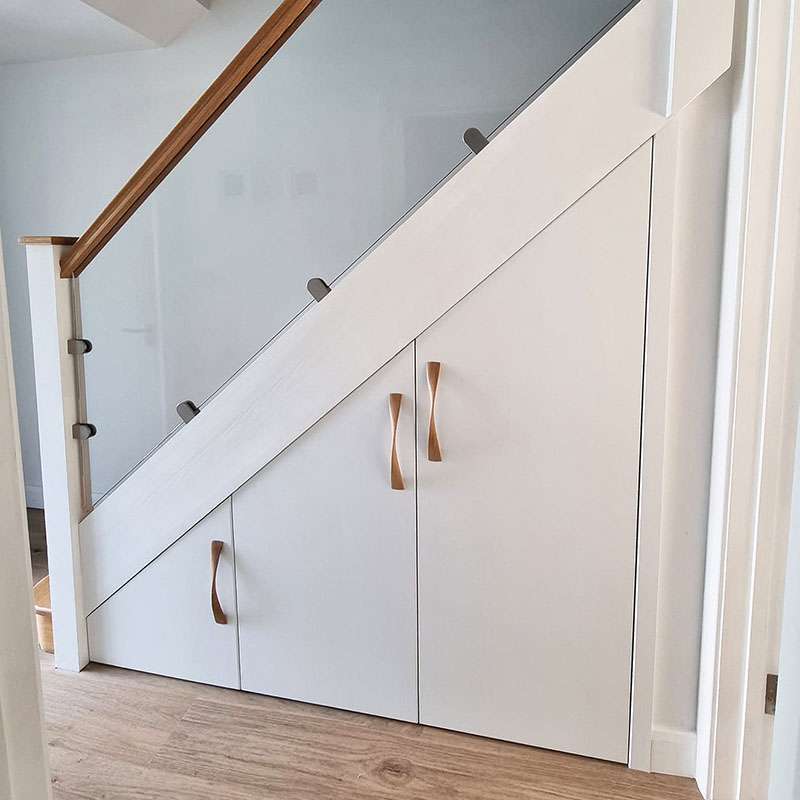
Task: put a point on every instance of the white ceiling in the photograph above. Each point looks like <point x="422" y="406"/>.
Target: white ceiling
<point x="45" y="30"/>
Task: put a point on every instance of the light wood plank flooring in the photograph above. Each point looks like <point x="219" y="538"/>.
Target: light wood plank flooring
<point x="118" y="734"/>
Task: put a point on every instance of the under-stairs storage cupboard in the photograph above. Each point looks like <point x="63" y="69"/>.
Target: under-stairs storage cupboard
<point x="326" y="559"/>
<point x="527" y="527"/>
<point x="475" y="575"/>
<point x="161" y="620"/>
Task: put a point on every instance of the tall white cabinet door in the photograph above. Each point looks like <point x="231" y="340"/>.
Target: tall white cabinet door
<point x="162" y="620"/>
<point x="528" y="524"/>
<point x="326" y="559"/>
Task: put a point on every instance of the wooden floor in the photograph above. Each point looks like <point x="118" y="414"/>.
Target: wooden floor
<point x="115" y="734"/>
<point x="119" y="734"/>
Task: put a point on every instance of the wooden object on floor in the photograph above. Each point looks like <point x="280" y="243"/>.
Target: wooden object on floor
<point x="115" y="733"/>
<point x="269" y="38"/>
<point x="44" y="614"/>
<point x="38" y="543"/>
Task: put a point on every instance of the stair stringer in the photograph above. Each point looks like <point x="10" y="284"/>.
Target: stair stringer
<point x="608" y="103"/>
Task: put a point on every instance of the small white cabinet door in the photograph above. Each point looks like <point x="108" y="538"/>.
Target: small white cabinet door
<point x="326" y="559"/>
<point x="161" y="621"/>
<point x="527" y="527"/>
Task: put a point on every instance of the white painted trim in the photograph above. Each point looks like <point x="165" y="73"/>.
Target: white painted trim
<point x="700" y="48"/>
<point x="755" y="407"/>
<point x="23" y="754"/>
<point x="535" y="168"/>
<point x="665" y="149"/>
<point x="34" y="496"/>
<point x="674" y="752"/>
<point x="57" y="400"/>
<point x="781" y="405"/>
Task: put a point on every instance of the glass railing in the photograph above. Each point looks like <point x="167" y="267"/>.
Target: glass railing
<point x="358" y="117"/>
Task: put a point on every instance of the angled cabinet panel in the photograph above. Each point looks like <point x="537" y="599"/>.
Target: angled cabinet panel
<point x="162" y="620"/>
<point x="527" y="524"/>
<point x="326" y="558"/>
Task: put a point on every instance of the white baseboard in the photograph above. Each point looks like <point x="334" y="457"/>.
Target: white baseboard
<point x="34" y="497"/>
<point x="673" y="752"/>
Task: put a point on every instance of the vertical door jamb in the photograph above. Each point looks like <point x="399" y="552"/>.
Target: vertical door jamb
<point x="656" y="363"/>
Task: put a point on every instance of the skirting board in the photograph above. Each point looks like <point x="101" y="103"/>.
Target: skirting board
<point x="673" y="752"/>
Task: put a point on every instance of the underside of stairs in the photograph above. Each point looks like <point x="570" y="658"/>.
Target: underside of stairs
<point x="574" y="172"/>
<point x="583" y="125"/>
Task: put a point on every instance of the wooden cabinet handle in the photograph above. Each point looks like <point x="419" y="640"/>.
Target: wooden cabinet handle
<point x="433" y="368"/>
<point x="216" y="608"/>
<point x="395" y="401"/>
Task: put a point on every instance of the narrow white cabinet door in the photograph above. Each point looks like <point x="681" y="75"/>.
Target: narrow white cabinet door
<point x="161" y="621"/>
<point x="326" y="559"/>
<point x="527" y="526"/>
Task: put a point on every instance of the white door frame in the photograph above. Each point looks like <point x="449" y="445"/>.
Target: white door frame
<point x="758" y="383"/>
<point x="23" y="755"/>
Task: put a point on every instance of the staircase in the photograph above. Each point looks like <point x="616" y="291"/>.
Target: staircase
<point x="579" y="146"/>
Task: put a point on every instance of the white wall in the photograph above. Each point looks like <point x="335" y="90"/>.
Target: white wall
<point x="168" y="317"/>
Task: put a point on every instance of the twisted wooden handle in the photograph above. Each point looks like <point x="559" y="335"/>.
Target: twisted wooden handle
<point x="395" y="401"/>
<point x="433" y="368"/>
<point x="216" y="608"/>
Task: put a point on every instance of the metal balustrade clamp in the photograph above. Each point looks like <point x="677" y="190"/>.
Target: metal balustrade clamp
<point x="78" y="347"/>
<point x="318" y="289"/>
<point x="83" y="430"/>
<point x="187" y="410"/>
<point x="475" y="140"/>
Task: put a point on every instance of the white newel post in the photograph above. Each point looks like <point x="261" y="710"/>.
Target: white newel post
<point x="59" y="400"/>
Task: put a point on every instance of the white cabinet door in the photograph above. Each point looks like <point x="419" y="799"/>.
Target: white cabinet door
<point x="326" y="559"/>
<point x="527" y="527"/>
<point x="161" y="621"/>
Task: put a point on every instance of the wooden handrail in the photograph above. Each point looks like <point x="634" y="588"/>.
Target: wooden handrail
<point x="269" y="38"/>
<point x="68" y="240"/>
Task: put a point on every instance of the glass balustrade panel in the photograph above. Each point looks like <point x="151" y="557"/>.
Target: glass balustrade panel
<point x="356" y="119"/>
